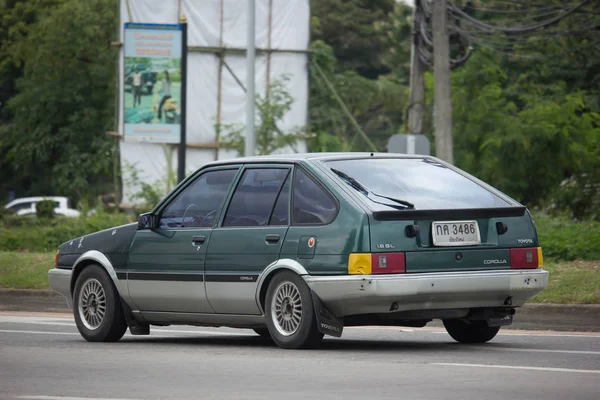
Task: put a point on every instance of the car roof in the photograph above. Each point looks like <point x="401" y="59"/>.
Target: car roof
<point x="323" y="156"/>
<point x="36" y="199"/>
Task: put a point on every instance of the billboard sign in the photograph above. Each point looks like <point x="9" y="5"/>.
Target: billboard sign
<point x="152" y="82"/>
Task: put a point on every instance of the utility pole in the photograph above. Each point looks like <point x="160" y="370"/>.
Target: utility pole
<point x="417" y="85"/>
<point x="181" y="152"/>
<point x="441" y="71"/>
<point x="250" y="55"/>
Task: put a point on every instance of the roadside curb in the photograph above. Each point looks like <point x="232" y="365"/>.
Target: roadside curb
<point x="532" y="316"/>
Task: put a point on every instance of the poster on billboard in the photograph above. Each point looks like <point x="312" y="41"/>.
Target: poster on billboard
<point x="152" y="82"/>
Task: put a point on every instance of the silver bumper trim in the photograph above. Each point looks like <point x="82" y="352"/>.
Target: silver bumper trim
<point x="60" y="282"/>
<point x="358" y="294"/>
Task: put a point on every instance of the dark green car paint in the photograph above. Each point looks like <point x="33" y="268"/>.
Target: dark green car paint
<point x="114" y="243"/>
<point x="238" y="255"/>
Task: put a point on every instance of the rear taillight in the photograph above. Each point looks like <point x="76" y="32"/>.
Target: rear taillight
<point x="526" y="258"/>
<point x="56" y="258"/>
<point x="376" y="263"/>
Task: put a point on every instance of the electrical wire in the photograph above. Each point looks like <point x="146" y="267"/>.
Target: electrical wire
<point x="537" y="56"/>
<point x="507" y="29"/>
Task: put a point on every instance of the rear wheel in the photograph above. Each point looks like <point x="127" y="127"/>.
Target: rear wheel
<point x="97" y="307"/>
<point x="290" y="313"/>
<point x="470" y="332"/>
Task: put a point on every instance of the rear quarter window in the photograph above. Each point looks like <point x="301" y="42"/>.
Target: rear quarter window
<point x="312" y="205"/>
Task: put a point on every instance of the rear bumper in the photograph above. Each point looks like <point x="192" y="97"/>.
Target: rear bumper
<point x="60" y="281"/>
<point x="367" y="294"/>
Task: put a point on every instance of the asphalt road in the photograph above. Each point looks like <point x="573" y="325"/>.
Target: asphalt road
<point x="42" y="356"/>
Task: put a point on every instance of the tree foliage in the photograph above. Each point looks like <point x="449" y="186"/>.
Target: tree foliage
<point x="353" y="28"/>
<point x="55" y="140"/>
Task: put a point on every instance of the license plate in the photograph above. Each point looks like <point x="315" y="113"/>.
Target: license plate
<point x="455" y="233"/>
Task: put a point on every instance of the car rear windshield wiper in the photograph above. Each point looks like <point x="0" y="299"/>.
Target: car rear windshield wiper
<point x="361" y="188"/>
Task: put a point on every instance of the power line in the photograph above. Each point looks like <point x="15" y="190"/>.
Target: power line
<point x="506" y="29"/>
<point x="538" y="56"/>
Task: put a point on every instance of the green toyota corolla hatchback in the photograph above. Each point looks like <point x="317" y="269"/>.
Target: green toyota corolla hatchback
<point x="299" y="246"/>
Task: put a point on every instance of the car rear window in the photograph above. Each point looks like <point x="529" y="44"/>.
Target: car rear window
<point x="425" y="183"/>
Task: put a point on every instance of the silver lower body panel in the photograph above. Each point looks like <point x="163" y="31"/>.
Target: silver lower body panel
<point x="60" y="281"/>
<point x="375" y="294"/>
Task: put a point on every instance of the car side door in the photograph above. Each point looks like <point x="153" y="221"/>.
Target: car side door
<point x="248" y="238"/>
<point x="165" y="271"/>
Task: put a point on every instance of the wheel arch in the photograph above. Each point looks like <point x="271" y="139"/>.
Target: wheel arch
<point x="93" y="257"/>
<point x="267" y="275"/>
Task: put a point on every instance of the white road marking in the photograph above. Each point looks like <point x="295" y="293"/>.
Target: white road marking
<point x="66" y="398"/>
<point x="555" y="334"/>
<point x="593" y="353"/>
<point x="217" y="333"/>
<point x="545" y="369"/>
<point x="210" y="333"/>
<point x="507" y="332"/>
<point x="37" y="332"/>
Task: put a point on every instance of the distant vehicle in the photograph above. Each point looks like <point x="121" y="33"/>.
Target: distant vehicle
<point x="299" y="246"/>
<point x="149" y="77"/>
<point x="27" y="206"/>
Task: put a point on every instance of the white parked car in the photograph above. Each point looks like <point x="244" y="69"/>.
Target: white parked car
<point x="27" y="206"/>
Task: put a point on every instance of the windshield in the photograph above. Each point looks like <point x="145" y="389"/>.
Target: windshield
<point x="425" y="183"/>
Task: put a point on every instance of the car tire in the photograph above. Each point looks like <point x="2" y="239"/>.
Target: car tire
<point x="264" y="332"/>
<point x="97" y="306"/>
<point x="470" y="332"/>
<point x="290" y="312"/>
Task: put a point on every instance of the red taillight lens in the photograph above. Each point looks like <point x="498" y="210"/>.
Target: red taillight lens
<point x="376" y="263"/>
<point x="526" y="258"/>
<point x="388" y="263"/>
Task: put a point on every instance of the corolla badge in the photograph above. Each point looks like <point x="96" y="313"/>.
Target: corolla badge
<point x="495" y="261"/>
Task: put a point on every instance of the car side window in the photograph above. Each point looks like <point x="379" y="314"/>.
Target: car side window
<point x="254" y="197"/>
<point x="198" y="205"/>
<point x="282" y="206"/>
<point x="311" y="204"/>
<point x="20" y="206"/>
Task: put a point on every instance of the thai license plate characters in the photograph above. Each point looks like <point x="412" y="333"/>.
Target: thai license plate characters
<point x="455" y="233"/>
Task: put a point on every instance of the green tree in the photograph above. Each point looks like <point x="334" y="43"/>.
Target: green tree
<point x="354" y="29"/>
<point x="16" y="20"/>
<point x="65" y="100"/>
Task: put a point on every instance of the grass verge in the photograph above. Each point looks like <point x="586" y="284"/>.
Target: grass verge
<point x="571" y="282"/>
<point x="24" y="270"/>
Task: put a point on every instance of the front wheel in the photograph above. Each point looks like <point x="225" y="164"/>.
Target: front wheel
<point x="290" y="313"/>
<point x="97" y="307"/>
<point x="470" y="332"/>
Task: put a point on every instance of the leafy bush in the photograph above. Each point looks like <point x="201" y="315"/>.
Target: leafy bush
<point x="44" y="209"/>
<point x="563" y="239"/>
<point x="579" y="196"/>
<point x="33" y="234"/>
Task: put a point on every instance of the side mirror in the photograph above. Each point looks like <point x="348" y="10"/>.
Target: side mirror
<point x="148" y="221"/>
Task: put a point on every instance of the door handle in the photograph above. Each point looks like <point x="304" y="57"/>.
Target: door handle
<point x="198" y="239"/>
<point x="273" y="238"/>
